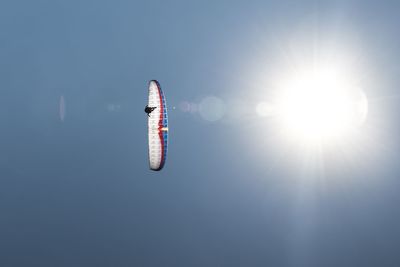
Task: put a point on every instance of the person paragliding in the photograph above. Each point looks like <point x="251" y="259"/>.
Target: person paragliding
<point x="149" y="110"/>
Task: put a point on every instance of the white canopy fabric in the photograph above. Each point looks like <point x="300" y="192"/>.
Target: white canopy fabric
<point x="157" y="127"/>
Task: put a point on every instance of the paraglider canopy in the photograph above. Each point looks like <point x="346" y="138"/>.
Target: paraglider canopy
<point x="157" y="126"/>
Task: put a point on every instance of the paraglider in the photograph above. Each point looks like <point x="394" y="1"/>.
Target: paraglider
<point x="156" y="110"/>
<point x="149" y="110"/>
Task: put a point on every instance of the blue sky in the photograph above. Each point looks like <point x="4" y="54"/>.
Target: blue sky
<point x="79" y="192"/>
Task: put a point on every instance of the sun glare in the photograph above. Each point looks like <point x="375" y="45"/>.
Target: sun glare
<point x="320" y="105"/>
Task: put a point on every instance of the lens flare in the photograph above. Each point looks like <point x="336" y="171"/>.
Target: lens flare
<point x="320" y="105"/>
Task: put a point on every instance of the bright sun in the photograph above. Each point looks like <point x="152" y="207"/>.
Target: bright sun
<point x="320" y="105"/>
